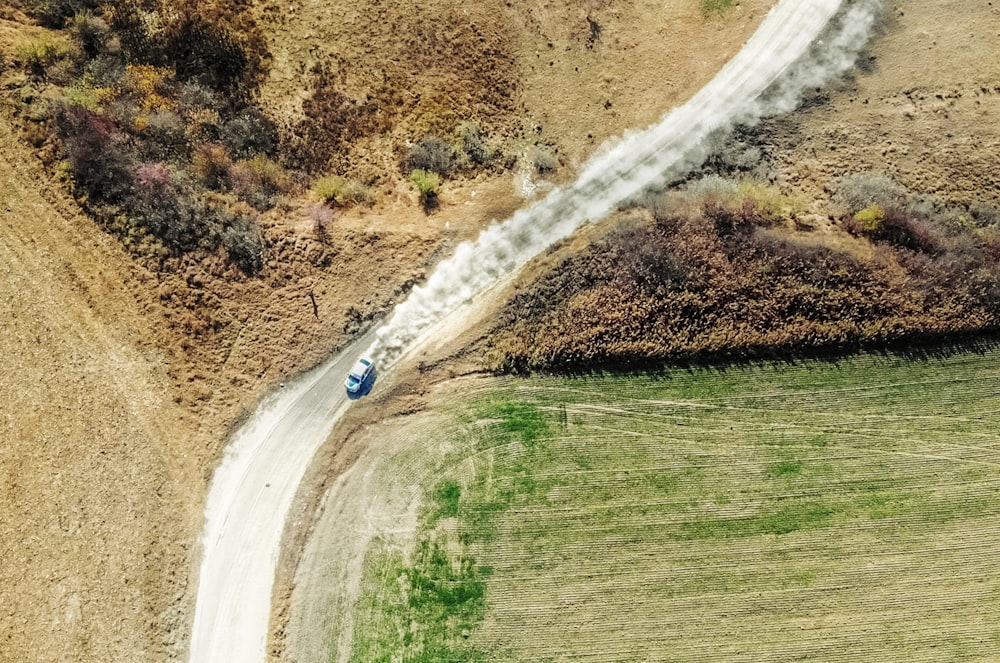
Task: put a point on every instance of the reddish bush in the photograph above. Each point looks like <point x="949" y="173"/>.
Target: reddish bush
<point x="97" y="153"/>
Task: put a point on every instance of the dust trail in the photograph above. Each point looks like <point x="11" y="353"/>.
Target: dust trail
<point x="801" y="44"/>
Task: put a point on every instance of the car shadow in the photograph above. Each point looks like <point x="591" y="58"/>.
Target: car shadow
<point x="366" y="386"/>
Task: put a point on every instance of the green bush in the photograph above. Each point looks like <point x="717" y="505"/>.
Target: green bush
<point x="870" y="218"/>
<point x="427" y="184"/>
<point x="39" y="53"/>
<point x="336" y="190"/>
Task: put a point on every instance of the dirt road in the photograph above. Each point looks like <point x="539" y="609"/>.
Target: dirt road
<point x="248" y="502"/>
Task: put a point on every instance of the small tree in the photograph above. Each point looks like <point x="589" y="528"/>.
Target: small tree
<point x="427" y="184"/>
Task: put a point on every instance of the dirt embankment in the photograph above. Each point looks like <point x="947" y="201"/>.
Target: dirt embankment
<point x="919" y="109"/>
<point x="97" y="471"/>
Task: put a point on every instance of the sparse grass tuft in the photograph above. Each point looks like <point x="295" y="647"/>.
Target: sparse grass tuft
<point x="41" y="52"/>
<point x="709" y="7"/>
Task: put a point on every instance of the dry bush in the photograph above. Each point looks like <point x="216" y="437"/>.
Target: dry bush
<point x="98" y="155"/>
<point x="333" y="121"/>
<point x="680" y="289"/>
<point x="57" y="13"/>
<point x="248" y="133"/>
<point x="321" y="216"/>
<point x="712" y="188"/>
<point x="432" y="154"/>
<point x="207" y="54"/>
<point x="258" y="181"/>
<point x="542" y="159"/>
<point x="860" y="190"/>
<point x="211" y="165"/>
<point x="474" y="143"/>
<point x="244" y="245"/>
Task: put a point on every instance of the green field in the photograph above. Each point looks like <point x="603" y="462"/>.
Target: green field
<point x="817" y="511"/>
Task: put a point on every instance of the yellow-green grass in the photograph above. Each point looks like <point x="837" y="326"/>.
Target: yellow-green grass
<point x="818" y="511"/>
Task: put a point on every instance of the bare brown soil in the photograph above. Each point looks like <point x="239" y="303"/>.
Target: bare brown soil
<point x="98" y="463"/>
<point x="922" y="107"/>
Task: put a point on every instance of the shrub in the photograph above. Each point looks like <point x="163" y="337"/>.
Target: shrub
<point x="336" y="190"/>
<point x="134" y="28"/>
<point x="901" y="229"/>
<point x="984" y="215"/>
<point x="860" y="190"/>
<point x="244" y="245"/>
<point x="543" y="160"/>
<point x="56" y="13"/>
<point x="330" y="189"/>
<point x="432" y="154"/>
<point x="163" y="203"/>
<point x="870" y="219"/>
<point x="474" y="143"/>
<point x="427" y="184"/>
<point x="91" y="34"/>
<point x="248" y="133"/>
<point x="104" y="71"/>
<point x="211" y="165"/>
<point x="321" y="215"/>
<point x="206" y="54"/>
<point x="769" y="204"/>
<point x="712" y="187"/>
<point x="165" y="136"/>
<point x="39" y="53"/>
<point x="151" y="86"/>
<point x="89" y="98"/>
<point x="95" y="150"/>
<point x="258" y="181"/>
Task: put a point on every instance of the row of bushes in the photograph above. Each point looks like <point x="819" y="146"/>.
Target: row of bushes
<point x="725" y="279"/>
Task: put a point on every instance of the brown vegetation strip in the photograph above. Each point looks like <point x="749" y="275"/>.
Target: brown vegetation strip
<point x="718" y="282"/>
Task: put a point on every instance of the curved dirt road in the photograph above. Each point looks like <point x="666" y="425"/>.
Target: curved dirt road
<point x="248" y="501"/>
<point x="253" y="487"/>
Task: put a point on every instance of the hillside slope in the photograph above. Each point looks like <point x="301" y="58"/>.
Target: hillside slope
<point x="95" y="484"/>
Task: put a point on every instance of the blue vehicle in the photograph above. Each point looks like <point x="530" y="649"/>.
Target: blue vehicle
<point x="359" y="374"/>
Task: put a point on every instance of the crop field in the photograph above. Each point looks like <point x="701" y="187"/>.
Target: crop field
<point x="814" y="511"/>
